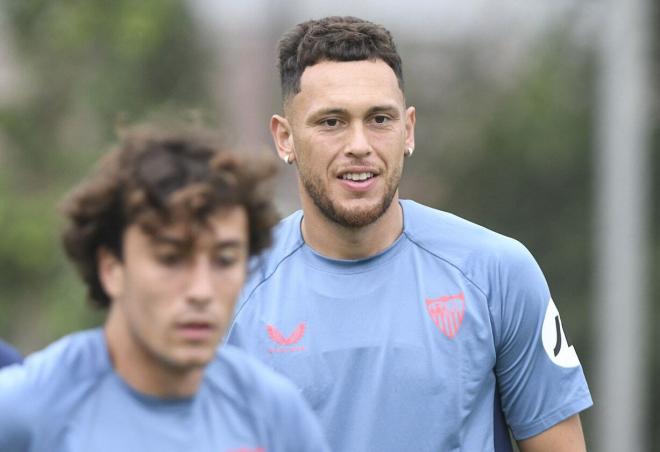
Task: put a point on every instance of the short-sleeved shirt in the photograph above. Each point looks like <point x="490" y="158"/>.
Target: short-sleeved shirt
<point x="8" y="354"/>
<point x="68" y="398"/>
<point x="437" y="343"/>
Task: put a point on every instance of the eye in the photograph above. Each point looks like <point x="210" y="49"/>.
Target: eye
<point x="227" y="258"/>
<point x="170" y="259"/>
<point x="381" y="119"/>
<point x="329" y="122"/>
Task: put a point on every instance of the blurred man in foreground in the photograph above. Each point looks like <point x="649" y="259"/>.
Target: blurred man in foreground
<point x="161" y="235"/>
<point x="406" y="328"/>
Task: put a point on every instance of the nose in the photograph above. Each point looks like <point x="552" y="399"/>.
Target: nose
<point x="200" y="288"/>
<point x="358" y="145"/>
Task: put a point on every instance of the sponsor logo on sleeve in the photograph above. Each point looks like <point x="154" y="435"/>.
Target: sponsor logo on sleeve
<point x="447" y="313"/>
<point x="555" y="342"/>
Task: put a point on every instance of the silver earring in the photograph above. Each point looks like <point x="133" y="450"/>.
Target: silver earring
<point x="408" y="152"/>
<point x="287" y="159"/>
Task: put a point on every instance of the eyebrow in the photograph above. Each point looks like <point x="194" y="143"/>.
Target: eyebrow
<point x="329" y="111"/>
<point x="344" y="112"/>
<point x="159" y="239"/>
<point x="233" y="243"/>
<point x="164" y="240"/>
<point x="381" y="109"/>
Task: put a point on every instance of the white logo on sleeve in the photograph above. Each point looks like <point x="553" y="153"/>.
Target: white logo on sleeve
<point x="555" y="343"/>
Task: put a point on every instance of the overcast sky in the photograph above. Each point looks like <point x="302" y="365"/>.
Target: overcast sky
<point x="422" y="19"/>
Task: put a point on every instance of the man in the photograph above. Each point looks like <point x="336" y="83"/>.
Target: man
<point x="160" y="234"/>
<point x="406" y="328"/>
<point x="8" y="354"/>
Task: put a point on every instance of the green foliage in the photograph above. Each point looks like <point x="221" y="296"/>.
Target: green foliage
<point x="85" y="65"/>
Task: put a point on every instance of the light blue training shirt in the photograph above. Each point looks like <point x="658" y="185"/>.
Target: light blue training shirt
<point x="68" y="398"/>
<point x="436" y="344"/>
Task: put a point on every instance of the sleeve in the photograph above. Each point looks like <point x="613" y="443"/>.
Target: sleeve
<point x="539" y="376"/>
<point x="297" y="428"/>
<point x="15" y="431"/>
<point x="8" y="354"/>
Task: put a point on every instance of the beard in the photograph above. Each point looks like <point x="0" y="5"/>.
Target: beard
<point x="350" y="218"/>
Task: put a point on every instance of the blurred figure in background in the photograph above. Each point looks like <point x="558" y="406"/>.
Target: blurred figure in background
<point x="8" y="354"/>
<point x="161" y="234"/>
<point x="406" y="328"/>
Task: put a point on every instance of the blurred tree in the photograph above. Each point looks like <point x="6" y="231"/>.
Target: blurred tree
<point x="86" y="65"/>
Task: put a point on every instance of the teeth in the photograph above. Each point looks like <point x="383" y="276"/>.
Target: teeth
<point x="357" y="176"/>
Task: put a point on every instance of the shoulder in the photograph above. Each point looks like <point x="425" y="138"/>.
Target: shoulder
<point x="66" y="362"/>
<point x="74" y="357"/>
<point x="33" y="394"/>
<point x="471" y="248"/>
<point x="287" y="239"/>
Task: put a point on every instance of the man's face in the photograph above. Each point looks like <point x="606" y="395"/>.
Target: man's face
<point x="349" y="129"/>
<point x="175" y="295"/>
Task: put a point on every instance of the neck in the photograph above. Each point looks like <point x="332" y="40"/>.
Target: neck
<point x="143" y="370"/>
<point x="339" y="242"/>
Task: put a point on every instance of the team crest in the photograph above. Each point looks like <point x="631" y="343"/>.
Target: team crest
<point x="447" y="313"/>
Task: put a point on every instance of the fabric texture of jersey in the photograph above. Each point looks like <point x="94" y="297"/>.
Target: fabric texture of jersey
<point x="68" y="398"/>
<point x="435" y="344"/>
<point x="8" y="354"/>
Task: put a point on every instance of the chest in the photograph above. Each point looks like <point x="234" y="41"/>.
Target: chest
<point x="413" y="325"/>
<point x="110" y="419"/>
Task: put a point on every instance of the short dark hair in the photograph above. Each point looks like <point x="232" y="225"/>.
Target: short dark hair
<point x="157" y="176"/>
<point x="333" y="39"/>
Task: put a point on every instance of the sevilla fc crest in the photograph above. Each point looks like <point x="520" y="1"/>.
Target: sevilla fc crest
<point x="447" y="313"/>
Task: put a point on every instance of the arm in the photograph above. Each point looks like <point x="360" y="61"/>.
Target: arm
<point x="8" y="354"/>
<point x="566" y="436"/>
<point x="539" y="376"/>
<point x="14" y="408"/>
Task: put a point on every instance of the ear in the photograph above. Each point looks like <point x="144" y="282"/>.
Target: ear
<point x="410" y="127"/>
<point x="281" y="131"/>
<point x="111" y="273"/>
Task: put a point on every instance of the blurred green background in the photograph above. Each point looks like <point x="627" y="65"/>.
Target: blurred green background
<point x="505" y="137"/>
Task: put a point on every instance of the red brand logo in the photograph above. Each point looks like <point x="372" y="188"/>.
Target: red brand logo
<point x="287" y="342"/>
<point x="447" y="313"/>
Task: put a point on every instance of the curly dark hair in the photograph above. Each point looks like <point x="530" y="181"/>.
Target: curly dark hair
<point x="156" y="176"/>
<point x="333" y="39"/>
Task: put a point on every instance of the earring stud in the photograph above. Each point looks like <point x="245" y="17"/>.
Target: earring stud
<point x="408" y="152"/>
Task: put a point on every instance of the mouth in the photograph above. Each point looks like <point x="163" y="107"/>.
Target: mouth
<point x="358" y="176"/>
<point x="196" y="330"/>
<point x="358" y="179"/>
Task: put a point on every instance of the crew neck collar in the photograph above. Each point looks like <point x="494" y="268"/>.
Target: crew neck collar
<point x="318" y="260"/>
<point x="175" y="403"/>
